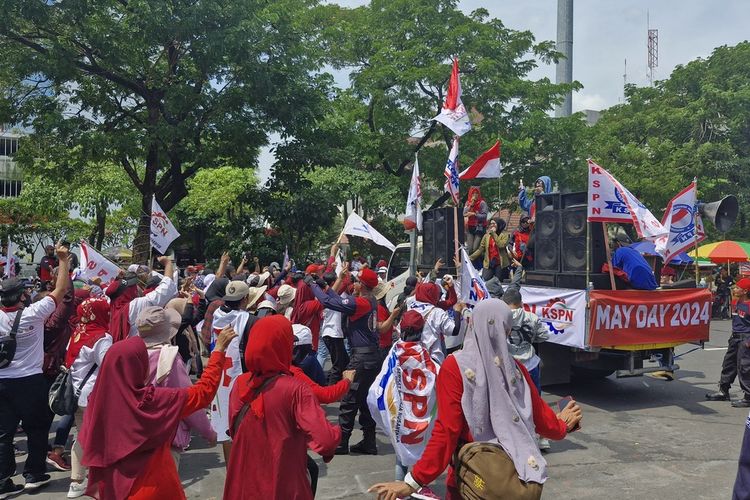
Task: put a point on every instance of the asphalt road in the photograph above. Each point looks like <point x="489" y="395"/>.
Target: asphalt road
<point x="641" y="438"/>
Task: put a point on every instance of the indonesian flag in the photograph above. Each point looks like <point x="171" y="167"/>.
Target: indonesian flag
<point x="473" y="289"/>
<point x="609" y="201"/>
<point x="451" y="172"/>
<point x="684" y="225"/>
<point x="413" y="218"/>
<point x="486" y="166"/>
<point x="454" y="115"/>
<point x="163" y="231"/>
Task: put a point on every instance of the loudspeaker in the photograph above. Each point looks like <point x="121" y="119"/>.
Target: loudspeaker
<point x="547" y="201"/>
<point x="573" y="199"/>
<point x="438" y="235"/>
<point x="574" y="242"/>
<point x="722" y="213"/>
<point x="577" y="281"/>
<point x="547" y="240"/>
<point x="541" y="278"/>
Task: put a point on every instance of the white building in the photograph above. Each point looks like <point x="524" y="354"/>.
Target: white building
<point x="11" y="178"/>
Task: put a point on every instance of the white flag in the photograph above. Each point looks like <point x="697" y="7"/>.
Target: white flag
<point x="10" y="261"/>
<point x="610" y="201"/>
<point x="339" y="263"/>
<point x="454" y="115"/>
<point x="413" y="217"/>
<point x="95" y="265"/>
<point x="451" y="172"/>
<point x="357" y="226"/>
<point x="473" y="289"/>
<point x="684" y="225"/>
<point x="286" y="257"/>
<point x="163" y="231"/>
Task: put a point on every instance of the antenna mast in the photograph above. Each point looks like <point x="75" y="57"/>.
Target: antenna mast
<point x="653" y="50"/>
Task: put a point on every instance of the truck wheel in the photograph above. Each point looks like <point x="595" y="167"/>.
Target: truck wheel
<point x="589" y="373"/>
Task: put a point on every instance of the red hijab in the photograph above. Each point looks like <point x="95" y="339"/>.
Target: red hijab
<point x="474" y="207"/>
<point x="126" y="420"/>
<point x="307" y="311"/>
<point x="119" y="323"/>
<point x="428" y="293"/>
<point x="93" y="324"/>
<point x="268" y="353"/>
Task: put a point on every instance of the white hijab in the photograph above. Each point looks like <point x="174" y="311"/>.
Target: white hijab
<point x="496" y="400"/>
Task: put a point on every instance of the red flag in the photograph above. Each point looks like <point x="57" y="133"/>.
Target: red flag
<point x="486" y="166"/>
<point x="454" y="115"/>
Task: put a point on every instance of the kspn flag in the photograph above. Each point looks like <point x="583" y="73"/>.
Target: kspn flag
<point x="610" y="201"/>
<point x="356" y="226"/>
<point x="451" y="172"/>
<point x="473" y="288"/>
<point x="9" y="261"/>
<point x="95" y="265"/>
<point x="563" y="310"/>
<point x="486" y="166"/>
<point x="406" y="412"/>
<point x="163" y="231"/>
<point x="413" y="216"/>
<point x="683" y="224"/>
<point x="453" y="114"/>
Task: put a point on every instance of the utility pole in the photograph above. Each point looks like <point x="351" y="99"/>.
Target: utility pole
<point x="653" y="50"/>
<point x="564" y="73"/>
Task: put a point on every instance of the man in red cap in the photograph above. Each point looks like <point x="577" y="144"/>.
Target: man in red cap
<point x="736" y="362"/>
<point x="360" y="324"/>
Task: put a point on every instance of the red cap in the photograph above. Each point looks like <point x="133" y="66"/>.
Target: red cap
<point x="412" y="321"/>
<point x="744" y="283"/>
<point x="314" y="269"/>
<point x="368" y="278"/>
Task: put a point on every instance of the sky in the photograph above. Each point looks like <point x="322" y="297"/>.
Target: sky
<point x="606" y="33"/>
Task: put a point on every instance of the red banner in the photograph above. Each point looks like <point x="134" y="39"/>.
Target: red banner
<point x="628" y="317"/>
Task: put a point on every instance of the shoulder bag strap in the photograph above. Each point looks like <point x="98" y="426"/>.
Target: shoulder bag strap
<point x="86" y="379"/>
<point x="246" y="406"/>
<point x="16" y="322"/>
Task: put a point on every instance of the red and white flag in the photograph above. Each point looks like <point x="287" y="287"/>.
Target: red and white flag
<point x="454" y="114"/>
<point x="451" y="172"/>
<point x="486" y="166"/>
<point x="163" y="231"/>
<point x="683" y="224"/>
<point x="609" y="201"/>
<point x="413" y="217"/>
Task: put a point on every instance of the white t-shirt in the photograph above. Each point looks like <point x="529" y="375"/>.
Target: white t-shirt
<point x="87" y="356"/>
<point x="162" y="294"/>
<point x="437" y="326"/>
<point x="29" y="339"/>
<point x="331" y="325"/>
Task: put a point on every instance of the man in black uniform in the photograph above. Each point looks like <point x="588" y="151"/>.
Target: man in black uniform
<point x="361" y="329"/>
<point x="736" y="362"/>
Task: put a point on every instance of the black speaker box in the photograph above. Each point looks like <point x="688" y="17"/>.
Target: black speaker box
<point x="547" y="201"/>
<point x="541" y="278"/>
<point x="547" y="241"/>
<point x="573" y="199"/>
<point x="573" y="228"/>
<point x="577" y="281"/>
<point x="438" y="235"/>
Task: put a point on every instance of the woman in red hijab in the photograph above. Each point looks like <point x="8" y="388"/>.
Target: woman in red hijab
<point x="307" y="311"/>
<point x="475" y="214"/>
<point x="128" y="426"/>
<point x="273" y="419"/>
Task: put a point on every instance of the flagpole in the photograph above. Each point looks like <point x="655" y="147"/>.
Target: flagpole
<point x="609" y="257"/>
<point x="695" y="231"/>
<point x="588" y="257"/>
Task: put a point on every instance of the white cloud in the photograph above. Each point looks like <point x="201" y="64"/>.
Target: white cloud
<point x="583" y="100"/>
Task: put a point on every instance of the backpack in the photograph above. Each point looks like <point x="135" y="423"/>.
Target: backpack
<point x="8" y="343"/>
<point x="484" y="471"/>
<point x="245" y="337"/>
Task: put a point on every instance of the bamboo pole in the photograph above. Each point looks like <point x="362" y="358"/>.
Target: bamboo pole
<point x="609" y="257"/>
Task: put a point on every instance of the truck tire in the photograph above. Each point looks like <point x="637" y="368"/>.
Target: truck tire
<point x="581" y="373"/>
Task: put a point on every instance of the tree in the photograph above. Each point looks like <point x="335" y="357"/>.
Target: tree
<point x="162" y="88"/>
<point x="695" y="123"/>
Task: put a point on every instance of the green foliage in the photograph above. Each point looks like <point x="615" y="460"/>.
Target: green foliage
<point x="694" y="124"/>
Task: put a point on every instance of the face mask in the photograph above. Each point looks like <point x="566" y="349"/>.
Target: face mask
<point x="26" y="300"/>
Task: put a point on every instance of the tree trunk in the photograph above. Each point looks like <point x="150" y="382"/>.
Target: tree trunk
<point x="142" y="241"/>
<point x="101" y="221"/>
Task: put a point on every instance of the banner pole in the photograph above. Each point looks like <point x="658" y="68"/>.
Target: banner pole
<point x="588" y="259"/>
<point x="609" y="257"/>
<point x="413" y="252"/>
<point x="455" y="230"/>
<point x="695" y="241"/>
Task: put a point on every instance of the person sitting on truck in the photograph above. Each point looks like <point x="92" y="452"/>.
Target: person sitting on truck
<point x="521" y="249"/>
<point x="630" y="268"/>
<point x="736" y="363"/>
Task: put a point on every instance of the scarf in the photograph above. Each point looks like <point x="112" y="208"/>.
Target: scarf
<point x="475" y="207"/>
<point x="93" y="324"/>
<point x="119" y="322"/>
<point x="126" y="420"/>
<point x="496" y="401"/>
<point x="268" y="353"/>
<point x="494" y="253"/>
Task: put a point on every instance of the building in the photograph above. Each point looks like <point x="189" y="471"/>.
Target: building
<point x="11" y="178"/>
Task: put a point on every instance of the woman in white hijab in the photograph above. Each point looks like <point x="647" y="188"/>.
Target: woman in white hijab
<point x="485" y="396"/>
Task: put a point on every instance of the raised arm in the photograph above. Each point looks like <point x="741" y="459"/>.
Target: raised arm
<point x="331" y="301"/>
<point x="201" y="394"/>
<point x="63" y="274"/>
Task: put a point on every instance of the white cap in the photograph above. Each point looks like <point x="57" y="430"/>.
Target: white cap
<point x="303" y="335"/>
<point x="382" y="269"/>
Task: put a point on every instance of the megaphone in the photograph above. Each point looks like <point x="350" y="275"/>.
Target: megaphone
<point x="722" y="213"/>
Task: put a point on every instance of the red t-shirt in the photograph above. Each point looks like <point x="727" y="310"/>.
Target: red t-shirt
<point x="386" y="338"/>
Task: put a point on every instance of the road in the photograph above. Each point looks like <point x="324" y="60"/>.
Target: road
<point x="641" y="438"/>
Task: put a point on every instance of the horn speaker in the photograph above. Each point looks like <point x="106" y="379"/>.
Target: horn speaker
<point x="722" y="213"/>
